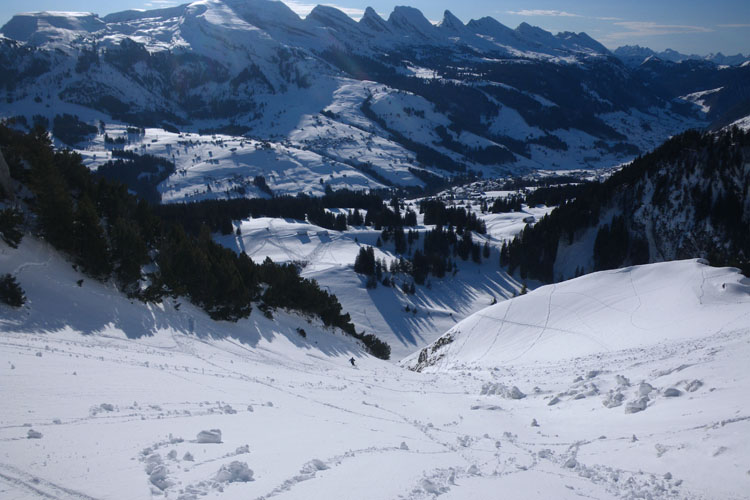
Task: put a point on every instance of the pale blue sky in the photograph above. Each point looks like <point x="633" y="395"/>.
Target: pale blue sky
<point x="690" y="26"/>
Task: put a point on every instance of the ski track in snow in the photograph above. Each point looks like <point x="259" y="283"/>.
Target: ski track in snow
<point x="546" y="322"/>
<point x="38" y="486"/>
<point x="118" y="416"/>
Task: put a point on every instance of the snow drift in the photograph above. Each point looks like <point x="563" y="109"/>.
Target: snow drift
<point x="601" y="312"/>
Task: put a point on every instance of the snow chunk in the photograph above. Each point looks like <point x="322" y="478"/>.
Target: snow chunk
<point x="314" y="465"/>
<point x="211" y="436"/>
<point x="158" y="477"/>
<point x="637" y="406"/>
<point x="152" y="462"/>
<point x="235" y="472"/>
<point x="645" y="389"/>
<point x="32" y="434"/>
<point x="693" y="385"/>
<point x="672" y="392"/>
<point x="432" y="488"/>
<point x="614" y="399"/>
<point x="622" y="380"/>
<point x="502" y="390"/>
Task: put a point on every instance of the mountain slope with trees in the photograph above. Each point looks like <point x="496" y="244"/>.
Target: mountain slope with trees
<point x="111" y="234"/>
<point x="688" y="198"/>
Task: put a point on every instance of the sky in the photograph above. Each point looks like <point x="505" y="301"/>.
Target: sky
<point x="688" y="26"/>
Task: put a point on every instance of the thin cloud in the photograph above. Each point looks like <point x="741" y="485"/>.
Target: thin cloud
<point x="648" y="28"/>
<point x="733" y="25"/>
<point x="161" y="3"/>
<point x="303" y="9"/>
<point x="557" y="13"/>
<point x="542" y="12"/>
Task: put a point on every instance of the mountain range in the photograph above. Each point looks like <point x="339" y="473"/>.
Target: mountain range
<point x="415" y="102"/>
<point x="633" y="55"/>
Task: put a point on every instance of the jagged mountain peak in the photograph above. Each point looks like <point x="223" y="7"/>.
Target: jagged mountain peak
<point x="331" y="17"/>
<point x="490" y="26"/>
<point x="372" y="21"/>
<point x="451" y="22"/>
<point x="581" y="40"/>
<point x="411" y="21"/>
<point x="534" y="33"/>
<point x="263" y="13"/>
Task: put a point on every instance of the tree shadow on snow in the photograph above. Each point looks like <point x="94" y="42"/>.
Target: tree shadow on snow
<point x="95" y="309"/>
<point x="452" y="297"/>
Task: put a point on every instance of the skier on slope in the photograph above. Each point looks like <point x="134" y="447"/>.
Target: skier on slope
<point x="351" y="360"/>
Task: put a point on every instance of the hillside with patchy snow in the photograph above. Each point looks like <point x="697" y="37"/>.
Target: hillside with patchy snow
<point x="405" y="321"/>
<point x="325" y="99"/>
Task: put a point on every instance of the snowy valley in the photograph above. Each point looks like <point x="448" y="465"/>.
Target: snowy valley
<point x="250" y="255"/>
<point x="620" y="384"/>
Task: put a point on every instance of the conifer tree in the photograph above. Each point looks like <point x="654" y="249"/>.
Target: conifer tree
<point x="90" y="240"/>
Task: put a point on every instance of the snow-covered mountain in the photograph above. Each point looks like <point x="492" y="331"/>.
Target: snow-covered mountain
<point x="633" y="55"/>
<point x="381" y="101"/>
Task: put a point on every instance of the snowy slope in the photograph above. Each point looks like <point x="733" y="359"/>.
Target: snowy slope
<point x="328" y="257"/>
<point x="603" y="312"/>
<point x="122" y="418"/>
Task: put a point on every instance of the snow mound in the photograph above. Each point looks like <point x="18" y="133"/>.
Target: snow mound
<point x="234" y="472"/>
<point x="502" y="390"/>
<point x="212" y="436"/>
<point x="314" y="465"/>
<point x="602" y="312"/>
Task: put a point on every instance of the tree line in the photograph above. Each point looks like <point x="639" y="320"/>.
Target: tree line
<point x="695" y="186"/>
<point x="112" y="234"/>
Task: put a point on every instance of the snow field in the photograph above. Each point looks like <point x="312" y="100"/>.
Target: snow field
<point x="328" y="257"/>
<point x="120" y="417"/>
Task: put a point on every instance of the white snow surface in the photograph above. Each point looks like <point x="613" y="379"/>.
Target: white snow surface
<point x="328" y="257"/>
<point x="118" y="391"/>
<point x="604" y="312"/>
